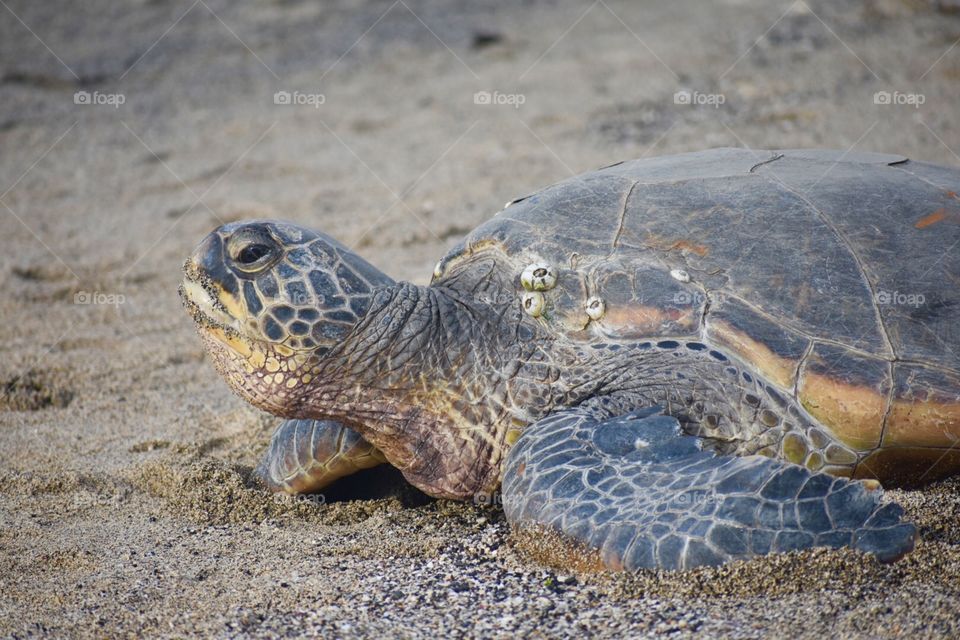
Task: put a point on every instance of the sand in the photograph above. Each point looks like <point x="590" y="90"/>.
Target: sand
<point x="125" y="502"/>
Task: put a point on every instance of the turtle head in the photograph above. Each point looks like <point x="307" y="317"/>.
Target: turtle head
<point x="270" y="300"/>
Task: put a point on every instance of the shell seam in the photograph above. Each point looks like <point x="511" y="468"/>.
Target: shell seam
<point x="837" y="343"/>
<point x="853" y="254"/>
<point x="774" y="158"/>
<point x="623" y="216"/>
<point x="801" y="367"/>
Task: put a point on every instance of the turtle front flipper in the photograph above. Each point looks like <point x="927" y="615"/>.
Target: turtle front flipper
<point x="307" y="455"/>
<point x="644" y="495"/>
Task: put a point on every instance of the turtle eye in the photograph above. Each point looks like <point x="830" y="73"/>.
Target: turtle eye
<point x="252" y="250"/>
<point x="252" y="253"/>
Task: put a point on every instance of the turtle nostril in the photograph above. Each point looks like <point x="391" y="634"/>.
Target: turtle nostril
<point x="252" y="252"/>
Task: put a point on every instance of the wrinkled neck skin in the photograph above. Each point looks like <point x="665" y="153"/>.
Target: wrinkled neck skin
<point x="415" y="378"/>
<point x="442" y="383"/>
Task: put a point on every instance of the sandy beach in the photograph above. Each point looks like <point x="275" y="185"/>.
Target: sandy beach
<point x="130" y="130"/>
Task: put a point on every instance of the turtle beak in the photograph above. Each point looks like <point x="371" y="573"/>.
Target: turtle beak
<point x="209" y="260"/>
<point x="209" y="287"/>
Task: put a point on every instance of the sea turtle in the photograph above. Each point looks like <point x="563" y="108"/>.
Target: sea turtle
<point x="673" y="362"/>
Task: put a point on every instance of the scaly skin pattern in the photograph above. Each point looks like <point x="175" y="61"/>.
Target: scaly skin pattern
<point x="305" y="456"/>
<point x="643" y="495"/>
<point x="442" y="380"/>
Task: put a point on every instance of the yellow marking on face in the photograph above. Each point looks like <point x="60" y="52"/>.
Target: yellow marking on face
<point x="283" y="350"/>
<point x="292" y="382"/>
<point x="257" y="358"/>
<point x="239" y="346"/>
<point x="278" y="378"/>
<point x="234" y="307"/>
<point x="272" y="364"/>
<point x="233" y="342"/>
<point x="306" y="378"/>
